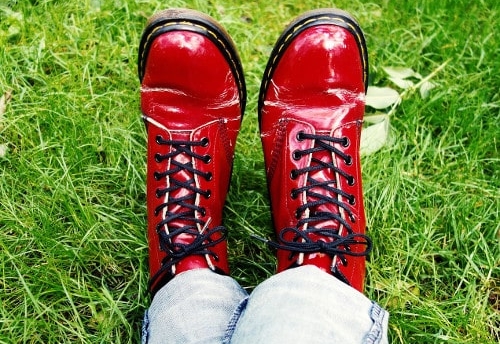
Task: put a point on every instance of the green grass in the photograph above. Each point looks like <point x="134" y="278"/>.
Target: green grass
<point x="73" y="250"/>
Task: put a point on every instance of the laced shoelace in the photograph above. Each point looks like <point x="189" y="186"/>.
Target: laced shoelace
<point x="335" y="244"/>
<point x="202" y="239"/>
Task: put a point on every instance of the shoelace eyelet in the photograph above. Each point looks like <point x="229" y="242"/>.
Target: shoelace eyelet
<point x="157" y="175"/>
<point x="209" y="176"/>
<point x="158" y="157"/>
<point x="348" y="160"/>
<point x="346" y="142"/>
<point x="293" y="174"/>
<point x="350" y="181"/>
<point x="300" y="136"/>
<point x="207" y="159"/>
<point x="297" y="215"/>
<point x="296" y="155"/>
<point x="208" y="194"/>
<point x="352" y="201"/>
<point x="205" y="141"/>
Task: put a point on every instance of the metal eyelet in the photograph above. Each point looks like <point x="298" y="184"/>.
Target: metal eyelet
<point x="205" y="141"/>
<point x="300" y="136"/>
<point x="157" y="175"/>
<point x="209" y="176"/>
<point x="207" y="159"/>
<point x="352" y="200"/>
<point x="293" y="174"/>
<point x="158" y="139"/>
<point x="158" y="157"/>
<point x="297" y="215"/>
<point x="346" y="142"/>
<point x="296" y="155"/>
<point x="348" y="160"/>
<point x="208" y="194"/>
<point x="351" y="181"/>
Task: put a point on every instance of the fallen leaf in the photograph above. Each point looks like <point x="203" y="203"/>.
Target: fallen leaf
<point x="4" y="100"/>
<point x="381" y="97"/>
<point x="13" y="31"/>
<point x="375" y="136"/>
<point x="14" y="16"/>
<point x="401" y="72"/>
<point x="425" y="88"/>
<point x="3" y="150"/>
<point x="402" y="83"/>
<point x="375" y="118"/>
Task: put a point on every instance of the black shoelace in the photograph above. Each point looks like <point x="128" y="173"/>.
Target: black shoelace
<point x="336" y="244"/>
<point x="201" y="242"/>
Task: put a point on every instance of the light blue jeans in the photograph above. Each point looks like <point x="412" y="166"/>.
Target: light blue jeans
<point x="300" y="305"/>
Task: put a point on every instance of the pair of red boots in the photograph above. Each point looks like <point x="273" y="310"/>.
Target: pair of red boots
<point x="311" y="106"/>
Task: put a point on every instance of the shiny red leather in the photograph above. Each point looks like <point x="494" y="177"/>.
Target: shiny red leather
<point x="189" y="91"/>
<point x="314" y="83"/>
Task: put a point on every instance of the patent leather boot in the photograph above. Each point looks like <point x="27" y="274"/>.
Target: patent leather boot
<point x="311" y="108"/>
<point x="192" y="100"/>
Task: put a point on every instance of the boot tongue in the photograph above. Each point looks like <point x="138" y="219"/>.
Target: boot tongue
<point x="320" y="176"/>
<point x="188" y="196"/>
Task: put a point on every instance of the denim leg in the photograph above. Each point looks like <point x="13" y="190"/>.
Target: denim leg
<point x="307" y="305"/>
<point x="194" y="307"/>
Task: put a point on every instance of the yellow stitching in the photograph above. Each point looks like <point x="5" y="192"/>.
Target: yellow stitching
<point x="287" y="38"/>
<point x="214" y="35"/>
<point x="149" y="37"/>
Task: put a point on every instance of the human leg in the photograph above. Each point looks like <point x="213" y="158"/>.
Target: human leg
<point x="194" y="307"/>
<point x="306" y="305"/>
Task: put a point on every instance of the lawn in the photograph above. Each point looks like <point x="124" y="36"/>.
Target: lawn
<point x="73" y="249"/>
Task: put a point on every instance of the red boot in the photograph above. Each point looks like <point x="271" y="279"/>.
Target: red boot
<point x="192" y="99"/>
<point x="311" y="109"/>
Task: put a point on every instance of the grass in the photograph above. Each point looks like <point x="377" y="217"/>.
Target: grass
<point x="73" y="257"/>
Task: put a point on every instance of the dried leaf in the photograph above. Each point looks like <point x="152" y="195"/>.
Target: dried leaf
<point x="375" y="136"/>
<point x="15" y="16"/>
<point x="401" y="72"/>
<point x="376" y="118"/>
<point x="425" y="88"/>
<point x="95" y="5"/>
<point x="381" y="97"/>
<point x="13" y="31"/>
<point x="4" y="100"/>
<point x="3" y="150"/>
<point x="403" y="83"/>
